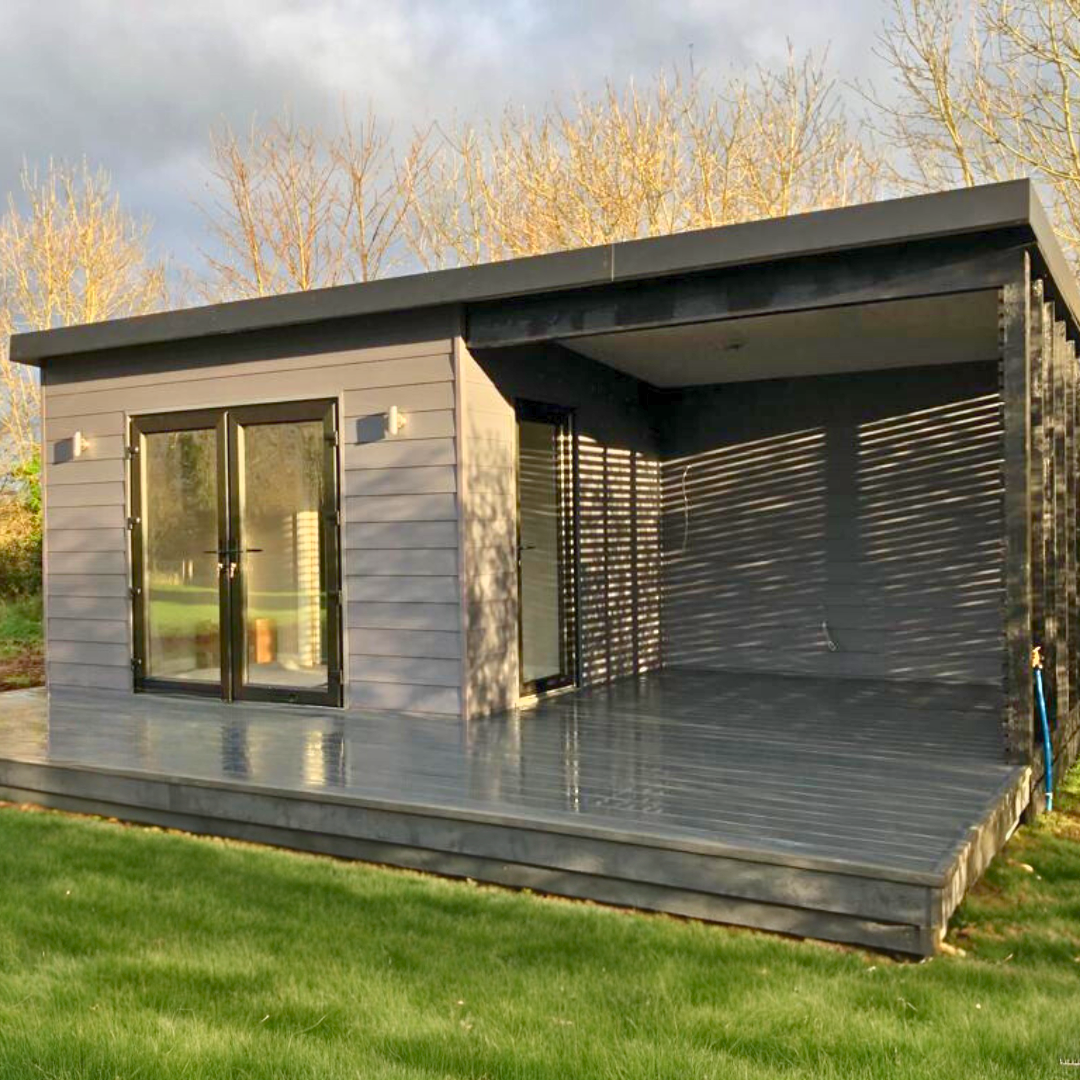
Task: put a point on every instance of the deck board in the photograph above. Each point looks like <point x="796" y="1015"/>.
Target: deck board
<point x="881" y="771"/>
<point x="877" y="781"/>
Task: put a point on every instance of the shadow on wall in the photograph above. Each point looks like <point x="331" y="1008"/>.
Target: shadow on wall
<point x="618" y="507"/>
<point x="844" y="526"/>
<point x="619" y="511"/>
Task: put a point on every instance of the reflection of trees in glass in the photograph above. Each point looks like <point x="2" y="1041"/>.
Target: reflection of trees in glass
<point x="283" y="468"/>
<point x="181" y="498"/>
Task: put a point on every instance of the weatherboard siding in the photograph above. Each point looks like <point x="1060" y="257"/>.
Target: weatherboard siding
<point x="399" y="495"/>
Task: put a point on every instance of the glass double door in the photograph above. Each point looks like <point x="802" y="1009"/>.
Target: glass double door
<point x="235" y="553"/>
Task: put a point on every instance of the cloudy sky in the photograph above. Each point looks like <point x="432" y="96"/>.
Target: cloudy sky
<point x="135" y="85"/>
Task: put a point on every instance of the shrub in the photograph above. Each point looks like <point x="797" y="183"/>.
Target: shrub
<point x="20" y="532"/>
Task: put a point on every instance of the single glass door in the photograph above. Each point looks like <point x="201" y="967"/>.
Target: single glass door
<point x="177" y="500"/>
<point x="283" y="514"/>
<point x="235" y="553"/>
<point x="545" y="547"/>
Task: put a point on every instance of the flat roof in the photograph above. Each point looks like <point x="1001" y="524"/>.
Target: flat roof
<point x="980" y="209"/>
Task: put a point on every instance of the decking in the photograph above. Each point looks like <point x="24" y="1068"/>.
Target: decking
<point x="851" y="810"/>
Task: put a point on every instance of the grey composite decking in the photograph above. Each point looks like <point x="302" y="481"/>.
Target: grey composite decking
<point x="852" y="810"/>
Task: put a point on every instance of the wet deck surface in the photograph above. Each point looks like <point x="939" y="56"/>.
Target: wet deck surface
<point x="882" y="774"/>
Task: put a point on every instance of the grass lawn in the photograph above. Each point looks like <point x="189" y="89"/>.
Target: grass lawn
<point x="127" y="952"/>
<point x="21" y="649"/>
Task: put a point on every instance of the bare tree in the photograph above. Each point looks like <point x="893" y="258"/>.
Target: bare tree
<point x="635" y="162"/>
<point x="68" y="254"/>
<point x="370" y="207"/>
<point x="296" y="209"/>
<point x="987" y="91"/>
<point x="273" y="216"/>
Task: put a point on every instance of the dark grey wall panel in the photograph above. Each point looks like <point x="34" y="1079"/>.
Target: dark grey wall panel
<point x="610" y="407"/>
<point x="846" y="525"/>
<point x="618" y="502"/>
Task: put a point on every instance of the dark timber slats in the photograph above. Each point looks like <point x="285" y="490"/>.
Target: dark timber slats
<point x="1068" y="365"/>
<point x="1063" y="679"/>
<point x="859" y="509"/>
<point x="1055" y="491"/>
<point x="1015" y="305"/>
<point x="1046" y="509"/>
<point x="1038" y="466"/>
<point x="619" y="561"/>
<point x="1067" y="720"/>
<point x="1067" y="726"/>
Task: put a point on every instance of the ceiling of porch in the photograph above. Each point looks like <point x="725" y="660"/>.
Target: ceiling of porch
<point x="943" y="329"/>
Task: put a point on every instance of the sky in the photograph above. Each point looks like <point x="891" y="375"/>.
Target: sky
<point x="136" y="85"/>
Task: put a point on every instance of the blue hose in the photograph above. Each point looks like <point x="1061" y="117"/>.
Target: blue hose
<point x="1048" y="752"/>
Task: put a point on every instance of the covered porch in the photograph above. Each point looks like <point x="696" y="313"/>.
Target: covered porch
<point x="851" y="810"/>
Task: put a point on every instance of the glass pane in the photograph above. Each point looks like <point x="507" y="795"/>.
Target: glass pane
<point x="541" y="622"/>
<point x="284" y="606"/>
<point x="181" y="539"/>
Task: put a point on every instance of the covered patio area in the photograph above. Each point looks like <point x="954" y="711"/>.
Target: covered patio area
<point x="852" y="810"/>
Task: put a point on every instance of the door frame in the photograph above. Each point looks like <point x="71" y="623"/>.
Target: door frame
<point x="139" y="428"/>
<point x="225" y="422"/>
<point x="329" y="540"/>
<point x="568" y="569"/>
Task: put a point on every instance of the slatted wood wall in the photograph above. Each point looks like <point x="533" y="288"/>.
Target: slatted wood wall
<point x="843" y="526"/>
<point x="1054" y="382"/>
<point x="619" y="508"/>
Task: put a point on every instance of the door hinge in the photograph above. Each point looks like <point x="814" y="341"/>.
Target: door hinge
<point x="333" y="438"/>
<point x="136" y="663"/>
<point x="132" y="522"/>
<point x="134" y="592"/>
<point x="131" y="450"/>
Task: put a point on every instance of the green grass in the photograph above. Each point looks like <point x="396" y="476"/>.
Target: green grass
<point x="129" y="953"/>
<point x="21" y="635"/>
<point x="20" y="622"/>
<point x="182" y="609"/>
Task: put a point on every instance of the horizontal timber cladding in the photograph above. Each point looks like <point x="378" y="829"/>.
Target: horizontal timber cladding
<point x="840" y="525"/>
<point x="1055" y="462"/>
<point x="618" y="515"/>
<point x="399" y="495"/>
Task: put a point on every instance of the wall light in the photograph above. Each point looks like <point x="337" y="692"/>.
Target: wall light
<point x="395" y="420"/>
<point x="79" y="444"/>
